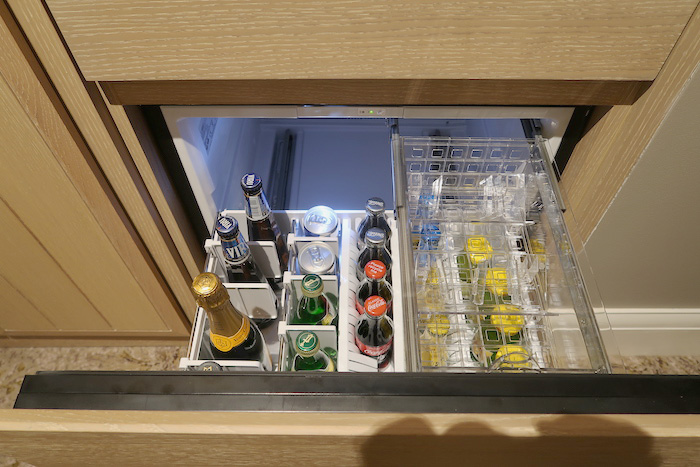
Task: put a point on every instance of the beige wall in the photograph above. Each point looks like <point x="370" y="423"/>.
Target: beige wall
<point x="645" y="252"/>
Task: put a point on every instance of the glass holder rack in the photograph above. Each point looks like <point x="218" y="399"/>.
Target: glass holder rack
<point x="491" y="281"/>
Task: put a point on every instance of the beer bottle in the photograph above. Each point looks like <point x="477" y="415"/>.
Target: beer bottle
<point x="261" y="221"/>
<point x="374" y="284"/>
<point x="375" y="218"/>
<point x="314" y="307"/>
<point x="231" y="334"/>
<point x="375" y="248"/>
<point x="239" y="262"/>
<point x="374" y="332"/>
<point x="309" y="357"/>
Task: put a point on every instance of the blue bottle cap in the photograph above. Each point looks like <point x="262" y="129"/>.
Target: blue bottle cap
<point x="251" y="182"/>
<point x="227" y="227"/>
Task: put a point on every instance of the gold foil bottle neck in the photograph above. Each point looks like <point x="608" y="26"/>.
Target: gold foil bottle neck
<point x="209" y="291"/>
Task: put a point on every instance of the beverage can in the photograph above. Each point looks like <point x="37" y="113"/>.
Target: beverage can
<point x="316" y="258"/>
<point x="320" y="221"/>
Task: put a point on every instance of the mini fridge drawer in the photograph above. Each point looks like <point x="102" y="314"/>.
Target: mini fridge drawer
<point x="488" y="277"/>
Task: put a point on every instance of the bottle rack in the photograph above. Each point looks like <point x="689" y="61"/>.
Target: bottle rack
<point x="259" y="300"/>
<point x="287" y="332"/>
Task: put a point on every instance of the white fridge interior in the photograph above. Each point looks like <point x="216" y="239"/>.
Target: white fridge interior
<point x="340" y="155"/>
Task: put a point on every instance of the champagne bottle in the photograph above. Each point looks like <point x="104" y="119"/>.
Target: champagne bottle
<point x="232" y="336"/>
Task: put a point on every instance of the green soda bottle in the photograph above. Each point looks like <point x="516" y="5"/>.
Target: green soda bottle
<point x="308" y="357"/>
<point x="314" y="307"/>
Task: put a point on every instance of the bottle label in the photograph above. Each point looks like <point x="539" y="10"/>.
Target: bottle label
<point x="359" y="306"/>
<point x="235" y="250"/>
<point x="225" y="344"/>
<point x="373" y="351"/>
<point x="256" y="207"/>
<point x="327" y="318"/>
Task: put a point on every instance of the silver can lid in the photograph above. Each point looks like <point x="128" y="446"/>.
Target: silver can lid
<point x="320" y="221"/>
<point x="375" y="206"/>
<point x="316" y="258"/>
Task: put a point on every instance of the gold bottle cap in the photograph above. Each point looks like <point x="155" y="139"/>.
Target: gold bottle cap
<point x="209" y="291"/>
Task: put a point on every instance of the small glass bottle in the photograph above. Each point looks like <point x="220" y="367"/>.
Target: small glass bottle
<point x="309" y="357"/>
<point x="239" y="262"/>
<point x="374" y="333"/>
<point x="375" y="248"/>
<point x="376" y="217"/>
<point x="232" y="336"/>
<point x="374" y="283"/>
<point x="261" y="221"/>
<point x="314" y="307"/>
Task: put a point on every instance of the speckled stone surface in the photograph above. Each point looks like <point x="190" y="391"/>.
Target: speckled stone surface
<point x="15" y="363"/>
<point x="677" y="365"/>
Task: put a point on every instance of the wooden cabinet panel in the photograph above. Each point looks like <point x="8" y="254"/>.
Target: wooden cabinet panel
<point x="37" y="294"/>
<point x="17" y="313"/>
<point x="45" y="200"/>
<point x="371" y="40"/>
<point x="603" y="159"/>
<point x="154" y="248"/>
<point x="128" y="438"/>
<point x="63" y="225"/>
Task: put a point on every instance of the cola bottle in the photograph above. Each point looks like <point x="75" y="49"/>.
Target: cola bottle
<point x="375" y="248"/>
<point x="374" y="284"/>
<point x="374" y="332"/>
<point x="375" y="218"/>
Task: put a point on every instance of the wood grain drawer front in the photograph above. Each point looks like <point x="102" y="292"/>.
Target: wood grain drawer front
<point x="379" y="39"/>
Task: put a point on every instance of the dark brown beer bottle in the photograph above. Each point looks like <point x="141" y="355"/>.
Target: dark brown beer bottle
<point x="239" y="262"/>
<point x="232" y="335"/>
<point x="261" y="221"/>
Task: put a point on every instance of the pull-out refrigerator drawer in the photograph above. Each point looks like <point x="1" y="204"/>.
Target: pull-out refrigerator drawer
<point x="448" y="176"/>
<point x="487" y="277"/>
